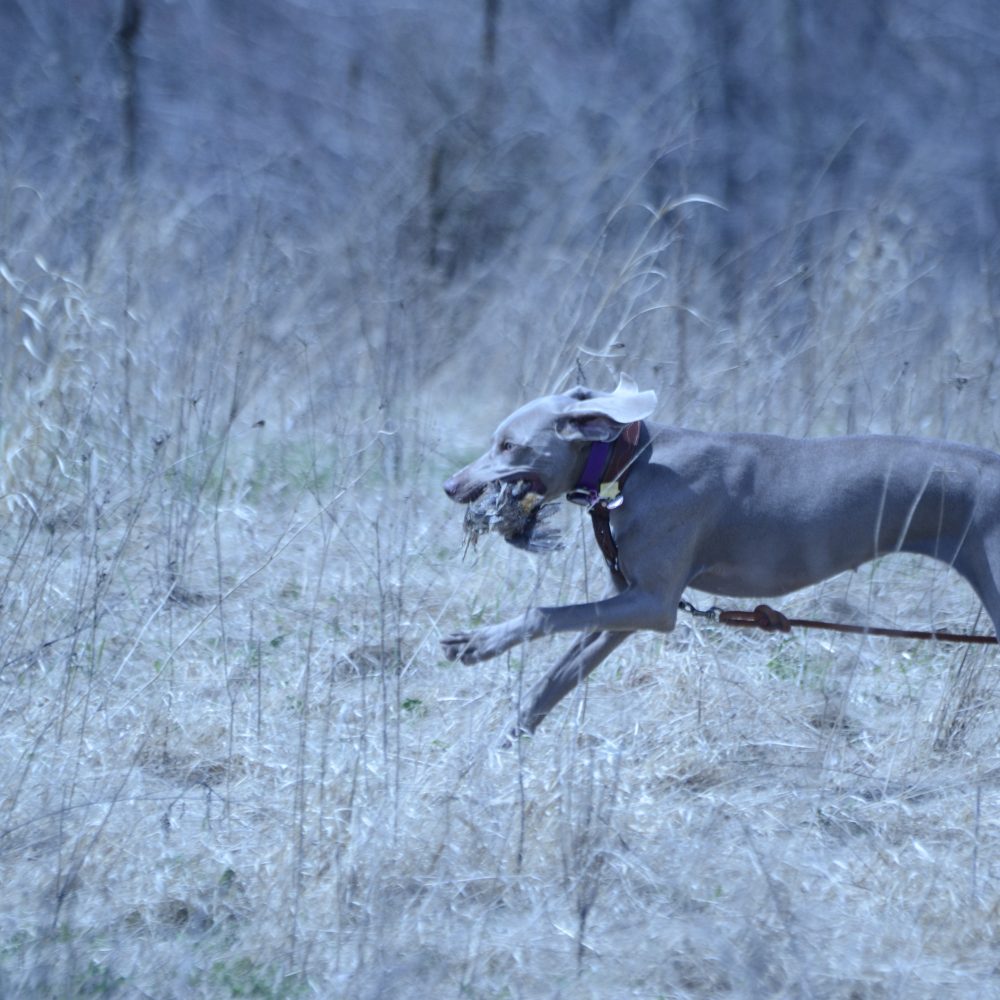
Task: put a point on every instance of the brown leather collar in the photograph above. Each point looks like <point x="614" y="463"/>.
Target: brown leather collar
<point x="607" y="494"/>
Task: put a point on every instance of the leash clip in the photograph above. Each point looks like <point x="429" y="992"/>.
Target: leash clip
<point x="609" y="497"/>
<point x="584" y="498"/>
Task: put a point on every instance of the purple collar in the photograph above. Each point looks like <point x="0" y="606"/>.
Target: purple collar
<point x="605" y="469"/>
<point x="587" y="491"/>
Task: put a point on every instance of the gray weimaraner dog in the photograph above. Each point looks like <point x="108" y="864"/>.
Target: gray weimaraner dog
<point x="732" y="514"/>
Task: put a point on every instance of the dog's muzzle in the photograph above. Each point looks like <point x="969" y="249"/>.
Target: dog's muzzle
<point x="462" y="492"/>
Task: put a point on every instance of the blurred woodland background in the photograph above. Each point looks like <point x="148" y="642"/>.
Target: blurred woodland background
<point x="269" y="271"/>
<point x="434" y="193"/>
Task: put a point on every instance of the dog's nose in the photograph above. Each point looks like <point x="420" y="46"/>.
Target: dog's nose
<point x="451" y="486"/>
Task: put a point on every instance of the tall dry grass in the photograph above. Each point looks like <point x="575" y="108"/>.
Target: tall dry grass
<point x="234" y="762"/>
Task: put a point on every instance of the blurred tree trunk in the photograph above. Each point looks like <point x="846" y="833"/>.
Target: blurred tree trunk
<point x="726" y="35"/>
<point x="436" y="204"/>
<point x="125" y="38"/>
<point x="616" y="14"/>
<point x="456" y="145"/>
<point x="800" y="215"/>
<point x="797" y="104"/>
<point x="491" y="15"/>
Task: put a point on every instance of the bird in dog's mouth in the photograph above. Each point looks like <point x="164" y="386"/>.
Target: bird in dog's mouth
<point x="516" y="510"/>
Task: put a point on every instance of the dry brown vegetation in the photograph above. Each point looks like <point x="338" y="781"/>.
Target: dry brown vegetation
<point x="235" y="763"/>
<point x="270" y="272"/>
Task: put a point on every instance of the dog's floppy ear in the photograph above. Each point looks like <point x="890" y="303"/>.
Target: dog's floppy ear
<point x="602" y="417"/>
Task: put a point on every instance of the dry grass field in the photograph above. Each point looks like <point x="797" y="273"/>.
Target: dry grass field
<point x="269" y="272"/>
<point x="234" y="763"/>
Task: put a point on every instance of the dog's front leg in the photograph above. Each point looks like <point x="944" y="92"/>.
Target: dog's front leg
<point x="629" y="611"/>
<point x="579" y="661"/>
<point x="484" y="643"/>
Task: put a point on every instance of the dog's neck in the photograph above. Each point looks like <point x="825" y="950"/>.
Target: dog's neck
<point x="605" y="467"/>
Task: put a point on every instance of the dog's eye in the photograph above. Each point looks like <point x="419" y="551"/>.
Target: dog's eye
<point x="507" y="445"/>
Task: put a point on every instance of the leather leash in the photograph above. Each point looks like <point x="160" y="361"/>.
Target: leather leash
<point x="770" y="620"/>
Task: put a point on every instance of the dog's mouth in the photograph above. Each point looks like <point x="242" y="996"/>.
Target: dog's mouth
<point x="476" y="490"/>
<point x="529" y="483"/>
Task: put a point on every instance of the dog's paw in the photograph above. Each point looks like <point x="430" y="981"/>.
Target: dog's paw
<point x="455" y="644"/>
<point x="475" y="646"/>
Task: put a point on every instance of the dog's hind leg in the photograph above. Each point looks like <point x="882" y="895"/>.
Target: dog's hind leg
<point x="979" y="563"/>
<point x="580" y="660"/>
<point x="988" y="587"/>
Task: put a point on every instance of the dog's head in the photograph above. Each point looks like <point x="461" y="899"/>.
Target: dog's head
<point x="545" y="442"/>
